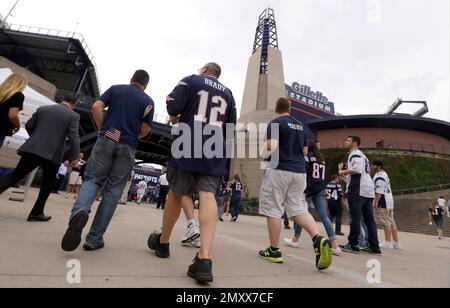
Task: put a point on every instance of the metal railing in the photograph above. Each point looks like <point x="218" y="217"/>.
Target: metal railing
<point x="421" y="190"/>
<point x="393" y="145"/>
<point x="58" y="34"/>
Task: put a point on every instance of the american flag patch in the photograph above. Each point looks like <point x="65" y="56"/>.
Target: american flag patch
<point x="113" y="134"/>
<point x="148" y="110"/>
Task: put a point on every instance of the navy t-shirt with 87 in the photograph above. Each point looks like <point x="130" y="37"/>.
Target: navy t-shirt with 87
<point x="128" y="107"/>
<point x="291" y="143"/>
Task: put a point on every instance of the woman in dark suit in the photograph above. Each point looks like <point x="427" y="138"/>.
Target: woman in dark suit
<point x="11" y="103"/>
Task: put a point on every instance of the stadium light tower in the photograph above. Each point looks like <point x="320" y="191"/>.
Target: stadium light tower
<point x="265" y="73"/>
<point x="266" y="36"/>
<point x="3" y="20"/>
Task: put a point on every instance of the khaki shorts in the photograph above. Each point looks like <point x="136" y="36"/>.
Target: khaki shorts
<point x="283" y="191"/>
<point x="186" y="183"/>
<point x="385" y="217"/>
<point x="75" y="178"/>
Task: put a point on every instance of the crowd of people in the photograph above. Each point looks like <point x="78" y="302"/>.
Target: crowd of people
<point x="299" y="179"/>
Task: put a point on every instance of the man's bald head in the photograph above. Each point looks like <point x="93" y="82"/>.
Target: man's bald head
<point x="213" y="68"/>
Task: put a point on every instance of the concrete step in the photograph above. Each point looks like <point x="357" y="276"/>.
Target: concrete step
<point x="408" y="223"/>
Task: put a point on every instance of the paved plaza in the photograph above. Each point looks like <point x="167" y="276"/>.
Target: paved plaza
<point x="30" y="255"/>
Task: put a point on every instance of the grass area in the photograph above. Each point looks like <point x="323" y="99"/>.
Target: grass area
<point x="406" y="170"/>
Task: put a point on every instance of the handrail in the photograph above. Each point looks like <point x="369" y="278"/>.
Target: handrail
<point x="394" y="145"/>
<point x="421" y="189"/>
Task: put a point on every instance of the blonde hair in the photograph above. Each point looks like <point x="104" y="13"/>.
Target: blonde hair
<point x="12" y="85"/>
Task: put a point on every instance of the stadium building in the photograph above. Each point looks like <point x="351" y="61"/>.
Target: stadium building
<point x="56" y="62"/>
<point x="265" y="83"/>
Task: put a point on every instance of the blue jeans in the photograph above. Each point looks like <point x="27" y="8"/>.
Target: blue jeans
<point x="235" y="205"/>
<point x="2" y="140"/>
<point x="220" y="205"/>
<point x="361" y="209"/>
<point x="364" y="236"/>
<point x="321" y="204"/>
<point x="337" y="214"/>
<point x="110" y="163"/>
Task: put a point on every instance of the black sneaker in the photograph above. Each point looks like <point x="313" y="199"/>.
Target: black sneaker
<point x="324" y="257"/>
<point x="372" y="251"/>
<point x="271" y="256"/>
<point x="201" y="270"/>
<point x="350" y="249"/>
<point x="72" y="238"/>
<point x="339" y="233"/>
<point x="154" y="243"/>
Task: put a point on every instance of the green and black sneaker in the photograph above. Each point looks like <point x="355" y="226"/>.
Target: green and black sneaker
<point x="372" y="251"/>
<point x="350" y="249"/>
<point x="324" y="258"/>
<point x="271" y="256"/>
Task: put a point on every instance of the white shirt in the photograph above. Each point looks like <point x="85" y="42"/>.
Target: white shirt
<point x="441" y="202"/>
<point x="383" y="187"/>
<point x="62" y="169"/>
<point x="163" y="180"/>
<point x="361" y="183"/>
<point x="142" y="186"/>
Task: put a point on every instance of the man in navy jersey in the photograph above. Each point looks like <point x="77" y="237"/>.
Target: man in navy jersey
<point x="199" y="103"/>
<point x="128" y="119"/>
<point x="335" y="204"/>
<point x="236" y="196"/>
<point x="284" y="186"/>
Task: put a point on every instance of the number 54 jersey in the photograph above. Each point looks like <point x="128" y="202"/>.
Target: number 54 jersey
<point x="206" y="106"/>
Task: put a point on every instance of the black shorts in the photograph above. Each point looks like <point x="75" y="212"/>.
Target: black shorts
<point x="438" y="222"/>
<point x="187" y="183"/>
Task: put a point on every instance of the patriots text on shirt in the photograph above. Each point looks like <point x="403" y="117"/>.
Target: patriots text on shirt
<point x="295" y="126"/>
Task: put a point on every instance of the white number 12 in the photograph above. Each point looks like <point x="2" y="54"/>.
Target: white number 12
<point x="219" y="109"/>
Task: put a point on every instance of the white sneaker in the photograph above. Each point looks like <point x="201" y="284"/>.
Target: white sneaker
<point x="192" y="233"/>
<point x="197" y="243"/>
<point x="387" y="245"/>
<point x="336" y="251"/>
<point x="397" y="246"/>
<point x="290" y="243"/>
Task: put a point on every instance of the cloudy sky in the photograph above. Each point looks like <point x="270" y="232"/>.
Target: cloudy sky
<point x="362" y="54"/>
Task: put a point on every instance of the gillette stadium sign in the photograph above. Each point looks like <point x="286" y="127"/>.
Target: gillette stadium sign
<point x="304" y="94"/>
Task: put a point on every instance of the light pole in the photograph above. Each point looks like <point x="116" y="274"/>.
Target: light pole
<point x="3" y="22"/>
